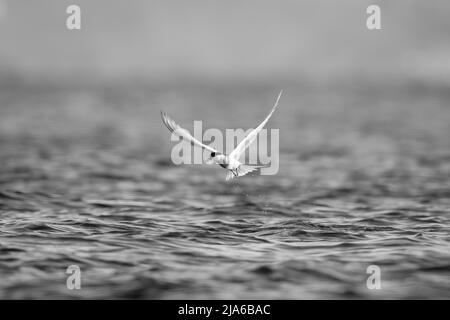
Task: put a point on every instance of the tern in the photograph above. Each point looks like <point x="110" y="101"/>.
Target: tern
<point x="231" y="161"/>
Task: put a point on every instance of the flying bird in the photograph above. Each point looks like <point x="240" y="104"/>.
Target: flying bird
<point x="231" y="161"/>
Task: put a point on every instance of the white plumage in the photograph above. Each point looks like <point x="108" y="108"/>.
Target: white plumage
<point x="230" y="162"/>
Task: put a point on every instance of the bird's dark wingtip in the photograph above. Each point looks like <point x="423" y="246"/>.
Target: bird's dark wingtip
<point x="164" y="119"/>
<point x="163" y="116"/>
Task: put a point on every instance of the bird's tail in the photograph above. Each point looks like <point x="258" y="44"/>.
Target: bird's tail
<point x="242" y="170"/>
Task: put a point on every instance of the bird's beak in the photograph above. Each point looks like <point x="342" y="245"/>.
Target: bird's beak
<point x="209" y="161"/>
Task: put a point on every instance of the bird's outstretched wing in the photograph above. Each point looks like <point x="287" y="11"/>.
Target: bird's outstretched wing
<point x="248" y="140"/>
<point x="179" y="131"/>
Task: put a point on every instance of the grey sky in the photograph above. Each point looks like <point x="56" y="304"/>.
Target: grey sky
<point x="324" y="38"/>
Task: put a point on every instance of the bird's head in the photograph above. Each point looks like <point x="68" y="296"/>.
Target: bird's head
<point x="215" y="157"/>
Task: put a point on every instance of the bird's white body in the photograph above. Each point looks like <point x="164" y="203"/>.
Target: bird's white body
<point x="231" y="161"/>
<point x="226" y="162"/>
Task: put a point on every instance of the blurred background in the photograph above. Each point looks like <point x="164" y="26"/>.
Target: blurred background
<point x="213" y="57"/>
<point x="163" y="40"/>
<point x="86" y="176"/>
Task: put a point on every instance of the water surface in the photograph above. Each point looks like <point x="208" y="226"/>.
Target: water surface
<point x="86" y="179"/>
